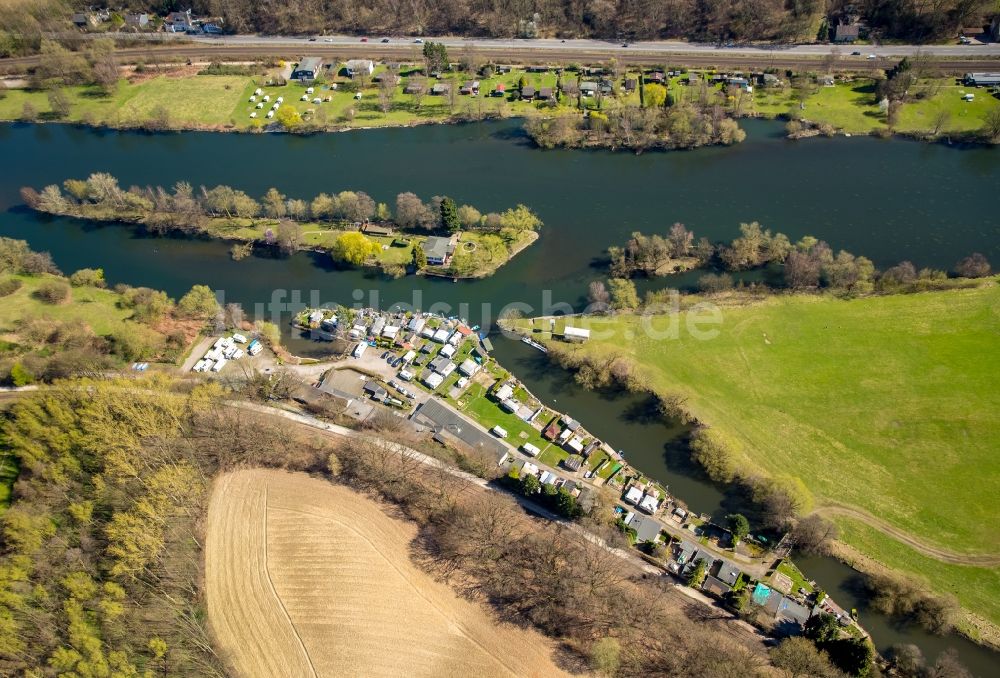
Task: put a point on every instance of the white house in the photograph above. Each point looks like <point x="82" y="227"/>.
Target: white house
<point x="356" y="67"/>
<point x="447" y="350"/>
<point x="530" y="449"/>
<point x="504" y="392"/>
<point x="649" y="503"/>
<point x="575" y="334"/>
<point x="433" y="380"/>
<point x="634" y="495"/>
<point x="360" y="349"/>
<point x="468" y="367"/>
<point x="441" y="336"/>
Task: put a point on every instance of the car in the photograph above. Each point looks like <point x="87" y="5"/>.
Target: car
<point x="385" y="355"/>
<point x="385" y="39"/>
<point x="418" y="41"/>
<point x="312" y="39"/>
<point x="328" y="40"/>
<point x="872" y="56"/>
<point x="624" y="44"/>
<point x="855" y="53"/>
<point x="364" y="39"/>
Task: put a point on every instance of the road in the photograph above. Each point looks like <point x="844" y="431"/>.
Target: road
<point x="951" y="58"/>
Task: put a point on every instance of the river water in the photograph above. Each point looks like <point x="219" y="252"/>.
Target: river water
<point x="887" y="199"/>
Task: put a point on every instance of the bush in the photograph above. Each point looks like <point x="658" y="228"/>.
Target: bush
<point x="200" y="302"/>
<point x="973" y="266"/>
<point x="37" y="263"/>
<point x="711" y="283"/>
<point x="134" y="342"/>
<point x="20" y="376"/>
<point x="9" y="286"/>
<point x="88" y="277"/>
<point x="52" y="292"/>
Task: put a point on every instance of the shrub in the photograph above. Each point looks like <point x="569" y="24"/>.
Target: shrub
<point x="88" y="277"/>
<point x="20" y="376"/>
<point x="37" y="263"/>
<point x="9" y="286"/>
<point x="52" y="292"/>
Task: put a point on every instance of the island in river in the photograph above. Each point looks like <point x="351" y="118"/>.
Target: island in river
<point x="349" y="225"/>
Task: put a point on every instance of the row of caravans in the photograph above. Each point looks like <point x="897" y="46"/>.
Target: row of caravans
<point x="225" y="349"/>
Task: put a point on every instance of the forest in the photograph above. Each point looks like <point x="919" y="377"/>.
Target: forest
<point x="24" y="23"/>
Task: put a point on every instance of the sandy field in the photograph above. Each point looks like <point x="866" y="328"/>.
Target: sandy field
<point x="307" y="578"/>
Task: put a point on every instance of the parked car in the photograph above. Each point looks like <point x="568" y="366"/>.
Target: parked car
<point x="385" y="39"/>
<point x="855" y="53"/>
<point x="418" y="41"/>
<point x="364" y="39"/>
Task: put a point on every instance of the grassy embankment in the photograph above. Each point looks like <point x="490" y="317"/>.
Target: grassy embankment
<point x="853" y="107"/>
<point x="884" y="404"/>
<point x="222" y="102"/>
<point x="97" y="308"/>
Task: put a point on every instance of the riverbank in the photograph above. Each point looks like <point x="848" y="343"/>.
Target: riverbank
<point x="794" y="375"/>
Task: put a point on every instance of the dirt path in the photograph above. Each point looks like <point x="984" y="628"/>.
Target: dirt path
<point x="936" y="552"/>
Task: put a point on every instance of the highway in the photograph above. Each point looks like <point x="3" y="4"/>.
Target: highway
<point x="948" y="58"/>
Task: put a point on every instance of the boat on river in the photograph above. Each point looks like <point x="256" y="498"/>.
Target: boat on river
<point x="534" y="344"/>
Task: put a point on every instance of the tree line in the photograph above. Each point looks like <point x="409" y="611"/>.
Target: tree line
<point x="550" y="578"/>
<point x="807" y="264"/>
<point x="711" y="20"/>
<point x="638" y="128"/>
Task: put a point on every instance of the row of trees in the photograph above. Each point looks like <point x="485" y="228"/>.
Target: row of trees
<point x="656" y="254"/>
<point x="574" y="590"/>
<point x="715" y="20"/>
<point x="807" y="264"/>
<point x="638" y="128"/>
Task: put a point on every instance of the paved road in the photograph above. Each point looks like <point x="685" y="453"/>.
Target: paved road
<point x="951" y="58"/>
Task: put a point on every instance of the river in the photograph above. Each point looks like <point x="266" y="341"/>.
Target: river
<point x="887" y="199"/>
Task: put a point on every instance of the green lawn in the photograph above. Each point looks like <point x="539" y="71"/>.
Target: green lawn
<point x="487" y="412"/>
<point x="946" y="97"/>
<point x="888" y="404"/>
<point x="847" y="106"/>
<point x="94" y="307"/>
<point x="200" y="100"/>
<point x="852" y="107"/>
